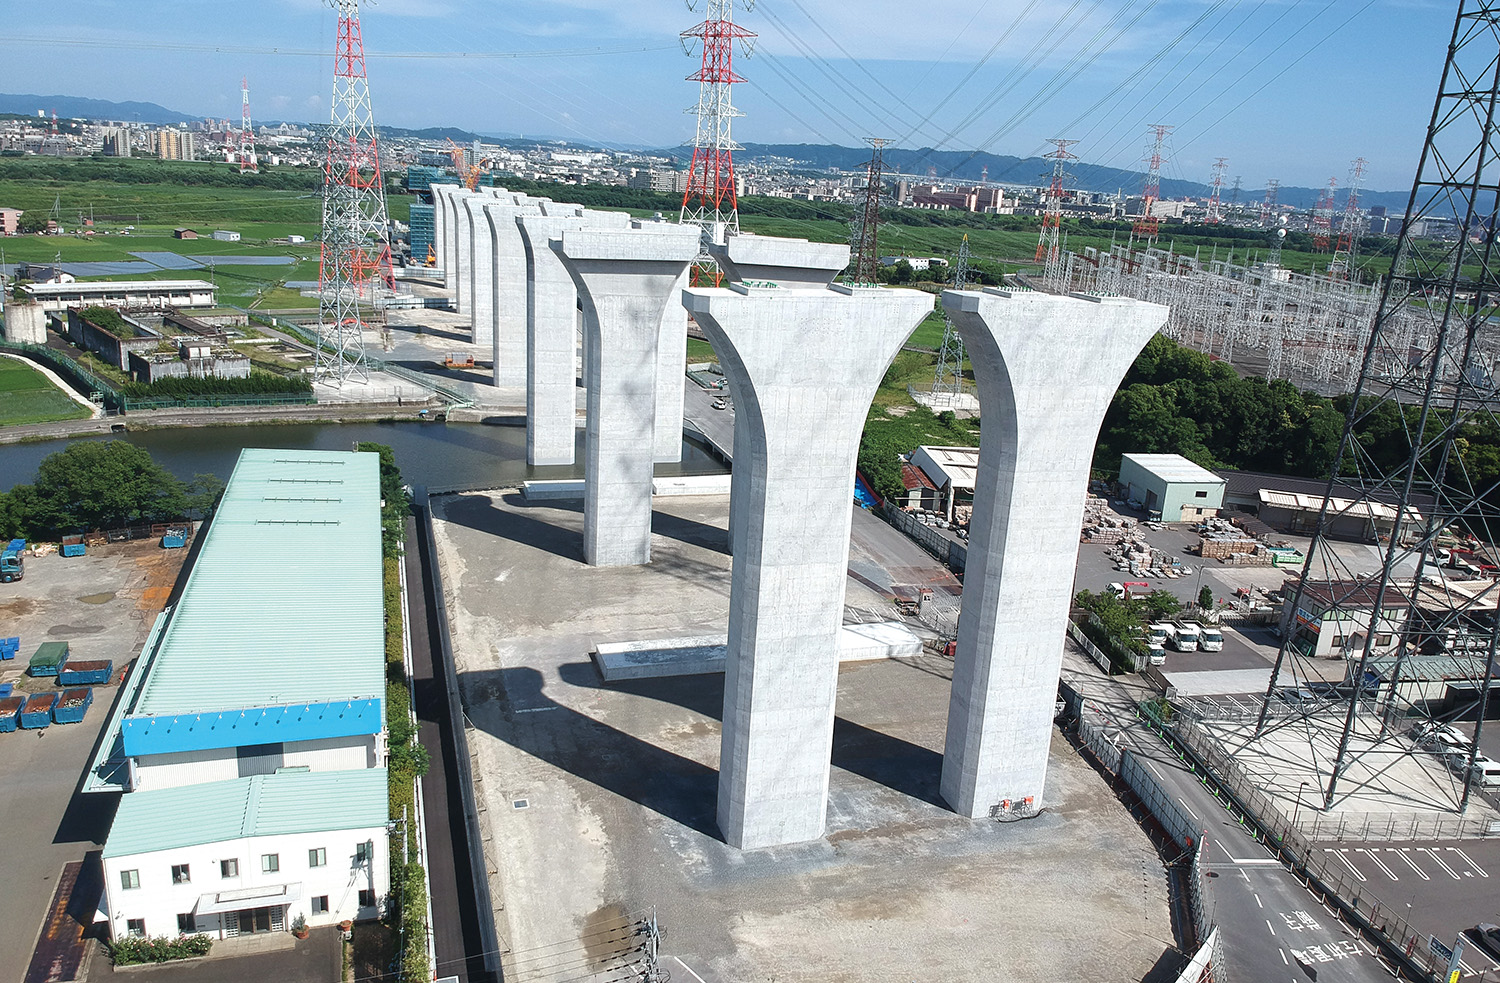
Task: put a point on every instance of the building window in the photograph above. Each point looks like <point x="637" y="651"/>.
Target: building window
<point x="317" y="858"/>
<point x="135" y="928"/>
<point x="130" y="879"/>
<point x="229" y="868"/>
<point x="366" y="898"/>
<point x="1382" y="639"/>
<point x="1200" y="494"/>
<point x="320" y="905"/>
<point x="187" y="924"/>
<point x="181" y="875"/>
<point x="362" y="852"/>
<point x="270" y="863"/>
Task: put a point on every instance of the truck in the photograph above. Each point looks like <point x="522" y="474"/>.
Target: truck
<point x="73" y="546"/>
<point x="92" y="673"/>
<point x="50" y="659"/>
<point x="72" y="706"/>
<point x="37" y="712"/>
<point x="1211" y="639"/>
<point x="1184" y="636"/>
<point x="12" y="564"/>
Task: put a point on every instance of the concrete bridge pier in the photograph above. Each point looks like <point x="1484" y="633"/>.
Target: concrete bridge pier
<point x="803" y="361"/>
<point x="626" y="279"/>
<point x="440" y="228"/>
<point x="1047" y="367"/>
<point x="503" y="317"/>
<point x="552" y="330"/>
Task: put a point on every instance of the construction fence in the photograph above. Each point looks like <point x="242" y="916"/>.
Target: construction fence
<point x="954" y="554"/>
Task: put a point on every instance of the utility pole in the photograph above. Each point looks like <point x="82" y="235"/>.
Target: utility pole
<point x="356" y="256"/>
<point x="865" y="240"/>
<point x="711" y="200"/>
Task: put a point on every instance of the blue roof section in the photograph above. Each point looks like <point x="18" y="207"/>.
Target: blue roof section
<point x="163" y="734"/>
<point x="240" y="808"/>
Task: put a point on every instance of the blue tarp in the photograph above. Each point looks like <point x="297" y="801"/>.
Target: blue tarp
<point x="242" y="728"/>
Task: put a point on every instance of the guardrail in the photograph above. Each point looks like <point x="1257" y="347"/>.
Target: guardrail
<point x="66" y="366"/>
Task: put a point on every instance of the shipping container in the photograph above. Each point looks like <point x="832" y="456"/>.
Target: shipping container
<point x="37" y="713"/>
<point x="10" y="713"/>
<point x="72" y="706"/>
<point x="95" y="673"/>
<point x="50" y="659"/>
<point x="6" y="689"/>
<point x="73" y="546"/>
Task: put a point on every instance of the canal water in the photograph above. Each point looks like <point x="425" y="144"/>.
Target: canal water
<point x="442" y="456"/>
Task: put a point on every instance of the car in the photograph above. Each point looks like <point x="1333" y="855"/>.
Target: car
<point x="1487" y="935"/>
<point x="1298" y="696"/>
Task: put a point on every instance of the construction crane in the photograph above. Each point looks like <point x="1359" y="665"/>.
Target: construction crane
<point x="468" y="174"/>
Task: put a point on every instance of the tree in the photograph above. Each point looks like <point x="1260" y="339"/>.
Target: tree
<point x="902" y="272"/>
<point x="1160" y="604"/>
<point x="1206" y="598"/>
<point x="102" y="485"/>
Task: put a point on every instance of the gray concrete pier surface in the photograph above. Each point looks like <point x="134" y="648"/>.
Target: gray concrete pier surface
<point x="457" y="276"/>
<point x="1047" y="367"/>
<point x="552" y="330"/>
<point x="504" y="329"/>
<point x="626" y="279"/>
<point x="478" y="287"/>
<point x="803" y="360"/>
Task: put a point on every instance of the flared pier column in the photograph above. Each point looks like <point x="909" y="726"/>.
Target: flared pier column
<point x="445" y="196"/>
<point x="1047" y="367"/>
<point x="552" y="331"/>
<point x="463" y="250"/>
<point x="625" y="280"/>
<point x="505" y="326"/>
<point x="439" y="230"/>
<point x="803" y="364"/>
<point x="479" y="286"/>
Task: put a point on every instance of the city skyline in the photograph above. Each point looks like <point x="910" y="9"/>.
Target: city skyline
<point x="1233" y="77"/>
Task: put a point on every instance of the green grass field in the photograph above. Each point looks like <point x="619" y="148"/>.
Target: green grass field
<point x="27" y="396"/>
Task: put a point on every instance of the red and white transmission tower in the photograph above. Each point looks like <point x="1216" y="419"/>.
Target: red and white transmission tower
<point x="1269" y="206"/>
<point x="1148" y="225"/>
<point x="247" y="132"/>
<point x="356" y="229"/>
<point x="1215" y="215"/>
<point x="1322" y="217"/>
<point x="1346" y="253"/>
<point x="710" y="201"/>
<point x="1049" y="244"/>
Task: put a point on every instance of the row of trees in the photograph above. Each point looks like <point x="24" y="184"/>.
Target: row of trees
<point x="102" y="485"/>
<point x="257" y="383"/>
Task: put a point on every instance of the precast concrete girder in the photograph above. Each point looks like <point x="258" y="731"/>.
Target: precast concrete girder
<point x="503" y="301"/>
<point x="551" y="330"/>
<point x="625" y="279"/>
<point x="803" y="363"/>
<point x="1047" y="367"/>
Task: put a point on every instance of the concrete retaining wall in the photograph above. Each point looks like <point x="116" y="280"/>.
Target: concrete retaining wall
<point x="703" y="654"/>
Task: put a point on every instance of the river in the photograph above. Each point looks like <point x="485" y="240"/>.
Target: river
<point x="443" y="456"/>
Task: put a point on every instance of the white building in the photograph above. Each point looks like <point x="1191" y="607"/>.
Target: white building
<point x="249" y="855"/>
<point x="129" y="294"/>
<point x="224" y="235"/>
<point x="253" y="723"/>
<point x="953" y="470"/>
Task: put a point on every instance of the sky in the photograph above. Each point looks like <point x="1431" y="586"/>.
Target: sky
<point x="1285" y="89"/>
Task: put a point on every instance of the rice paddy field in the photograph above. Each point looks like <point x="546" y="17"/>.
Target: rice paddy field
<point x="28" y="396"/>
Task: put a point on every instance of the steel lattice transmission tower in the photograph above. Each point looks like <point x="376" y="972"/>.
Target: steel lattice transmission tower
<point x="1322" y="217"/>
<point x="1346" y="253"/>
<point x="356" y="259"/>
<point x="1268" y="207"/>
<point x="1427" y="378"/>
<point x="247" y="132"/>
<point x="1049" y="244"/>
<point x="710" y="200"/>
<point x="1148" y="225"/>
<point x="949" y="377"/>
<point x="864" y="227"/>
<point x="1221" y="165"/>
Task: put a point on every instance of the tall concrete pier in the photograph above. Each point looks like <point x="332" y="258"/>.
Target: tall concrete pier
<point x="439" y="228"/>
<point x="625" y="279"/>
<point x="552" y="330"/>
<point x="505" y="327"/>
<point x="478" y="288"/>
<point x="803" y="361"/>
<point x="1047" y="367"/>
<point x="459" y="278"/>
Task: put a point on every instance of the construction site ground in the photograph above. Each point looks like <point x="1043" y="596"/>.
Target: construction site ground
<point x="599" y="799"/>
<point x="102" y="604"/>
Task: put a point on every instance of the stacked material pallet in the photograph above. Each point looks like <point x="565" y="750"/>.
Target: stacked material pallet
<point x="1101" y="526"/>
<point x="1222" y="540"/>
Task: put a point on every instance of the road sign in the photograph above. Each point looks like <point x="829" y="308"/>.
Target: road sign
<point x="1438" y="949"/>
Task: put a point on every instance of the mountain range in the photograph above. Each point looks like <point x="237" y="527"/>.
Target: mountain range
<point x="949" y="165"/>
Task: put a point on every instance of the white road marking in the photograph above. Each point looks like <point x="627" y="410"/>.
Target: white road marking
<point x="1433" y="854"/>
<point x="537" y="709"/>
<point x="690" y="971"/>
<point x="1270" y="927"/>
<point x="1188" y="808"/>
<point x="1371" y="854"/>
<point x="1470" y="861"/>
<point x="1257" y="902"/>
<point x="1284" y="960"/>
<point x="1155" y="772"/>
<point x="1402" y="853"/>
<point x="1340" y="855"/>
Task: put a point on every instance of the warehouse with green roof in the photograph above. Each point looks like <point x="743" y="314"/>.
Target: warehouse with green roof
<point x="250" y="733"/>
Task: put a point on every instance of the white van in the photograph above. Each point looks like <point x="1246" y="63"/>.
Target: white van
<point x="1486" y="773"/>
<point x="1211" y="639"/>
<point x="1156" y="654"/>
<point x="1184" y="636"/>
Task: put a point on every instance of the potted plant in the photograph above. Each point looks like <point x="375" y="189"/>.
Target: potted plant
<point x="345" y="926"/>
<point x="299" y="927"/>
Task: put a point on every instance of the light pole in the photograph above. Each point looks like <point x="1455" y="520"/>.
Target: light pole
<point x="1298" y="807"/>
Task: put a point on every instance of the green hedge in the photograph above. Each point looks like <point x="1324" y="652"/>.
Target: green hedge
<point x="134" y="951"/>
<point x="255" y="384"/>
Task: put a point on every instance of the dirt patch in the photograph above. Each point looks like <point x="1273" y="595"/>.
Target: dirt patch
<point x="18" y="607"/>
<point x="104" y="598"/>
<point x="61" y="631"/>
<point x="607" y="933"/>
